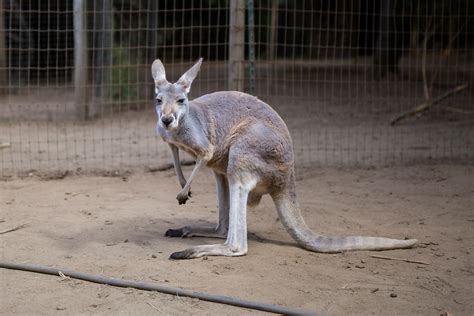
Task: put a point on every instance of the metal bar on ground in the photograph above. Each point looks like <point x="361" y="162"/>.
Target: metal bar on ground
<point x="147" y="286"/>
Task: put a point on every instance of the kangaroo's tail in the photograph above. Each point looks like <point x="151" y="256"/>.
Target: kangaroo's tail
<point x="290" y="215"/>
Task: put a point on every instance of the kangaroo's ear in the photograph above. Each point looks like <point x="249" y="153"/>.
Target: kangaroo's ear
<point x="189" y="76"/>
<point x="158" y="73"/>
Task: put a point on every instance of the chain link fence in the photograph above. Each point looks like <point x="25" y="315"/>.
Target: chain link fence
<point x="359" y="83"/>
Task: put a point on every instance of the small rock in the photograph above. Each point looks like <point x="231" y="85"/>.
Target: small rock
<point x="68" y="257"/>
<point x="126" y="240"/>
<point x="153" y="256"/>
<point x="358" y="266"/>
<point x="374" y="290"/>
<point x="60" y="308"/>
<point x="393" y="295"/>
<point x="362" y="261"/>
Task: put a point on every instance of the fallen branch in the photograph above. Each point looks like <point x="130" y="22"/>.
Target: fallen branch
<point x="457" y="110"/>
<point x="13" y="229"/>
<point x="428" y="104"/>
<point x="399" y="259"/>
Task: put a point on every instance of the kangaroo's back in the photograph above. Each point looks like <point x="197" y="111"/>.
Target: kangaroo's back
<point x="231" y="112"/>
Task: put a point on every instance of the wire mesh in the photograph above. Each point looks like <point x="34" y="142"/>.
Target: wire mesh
<point x="76" y="91"/>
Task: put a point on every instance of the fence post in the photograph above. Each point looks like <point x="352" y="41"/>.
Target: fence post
<point x="236" y="45"/>
<point x="80" y="60"/>
<point x="3" y="52"/>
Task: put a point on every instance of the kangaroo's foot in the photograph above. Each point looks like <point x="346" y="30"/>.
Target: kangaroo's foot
<point x="183" y="196"/>
<point x="197" y="231"/>
<point x="209" y="250"/>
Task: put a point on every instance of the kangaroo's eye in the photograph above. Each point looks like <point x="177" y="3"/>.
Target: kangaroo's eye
<point x="158" y="101"/>
<point x="181" y="101"/>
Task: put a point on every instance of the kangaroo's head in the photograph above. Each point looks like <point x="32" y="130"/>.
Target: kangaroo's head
<point x="172" y="98"/>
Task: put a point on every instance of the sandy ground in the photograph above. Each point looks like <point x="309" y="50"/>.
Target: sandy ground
<point x="114" y="226"/>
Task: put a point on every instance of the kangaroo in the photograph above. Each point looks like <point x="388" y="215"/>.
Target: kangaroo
<point x="249" y="149"/>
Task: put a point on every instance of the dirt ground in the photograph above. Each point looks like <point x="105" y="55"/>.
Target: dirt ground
<point x="114" y="226"/>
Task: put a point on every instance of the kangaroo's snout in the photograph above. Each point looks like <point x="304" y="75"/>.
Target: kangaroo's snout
<point x="167" y="120"/>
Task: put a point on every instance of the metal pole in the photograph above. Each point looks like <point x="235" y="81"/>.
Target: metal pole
<point x="80" y="61"/>
<point x="103" y="29"/>
<point x="273" y="30"/>
<point x="236" y="45"/>
<point x="147" y="286"/>
<point x="103" y="53"/>
<point x="3" y="52"/>
<point x="251" y="25"/>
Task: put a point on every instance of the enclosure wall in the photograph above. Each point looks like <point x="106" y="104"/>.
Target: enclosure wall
<point x="76" y="91"/>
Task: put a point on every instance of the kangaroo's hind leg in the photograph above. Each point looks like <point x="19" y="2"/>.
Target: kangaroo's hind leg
<point x="220" y="231"/>
<point x="236" y="243"/>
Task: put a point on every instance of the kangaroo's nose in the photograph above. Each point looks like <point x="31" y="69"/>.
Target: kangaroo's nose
<point x="167" y="120"/>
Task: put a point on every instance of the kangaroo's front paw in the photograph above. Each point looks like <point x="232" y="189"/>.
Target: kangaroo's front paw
<point x="183" y="196"/>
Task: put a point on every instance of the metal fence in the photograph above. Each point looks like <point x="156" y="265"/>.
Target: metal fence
<point x="359" y="83"/>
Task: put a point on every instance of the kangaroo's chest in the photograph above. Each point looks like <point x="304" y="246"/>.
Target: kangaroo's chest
<point x="184" y="139"/>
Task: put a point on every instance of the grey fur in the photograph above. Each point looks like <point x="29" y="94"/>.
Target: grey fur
<point x="248" y="146"/>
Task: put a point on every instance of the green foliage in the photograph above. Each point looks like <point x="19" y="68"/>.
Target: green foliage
<point x="125" y="76"/>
